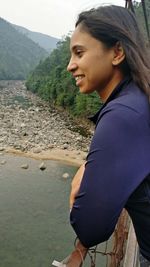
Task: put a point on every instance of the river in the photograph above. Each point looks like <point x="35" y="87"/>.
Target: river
<point x="34" y="225"/>
<point x="34" y="221"/>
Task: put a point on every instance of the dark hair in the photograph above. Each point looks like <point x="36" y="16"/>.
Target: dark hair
<point x="112" y="24"/>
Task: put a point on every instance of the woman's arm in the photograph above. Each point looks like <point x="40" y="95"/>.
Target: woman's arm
<point x="75" y="185"/>
<point x="113" y="170"/>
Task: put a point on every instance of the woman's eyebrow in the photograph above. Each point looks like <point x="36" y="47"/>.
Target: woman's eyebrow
<point x="75" y="47"/>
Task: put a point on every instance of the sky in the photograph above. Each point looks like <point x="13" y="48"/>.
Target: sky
<point x="52" y="17"/>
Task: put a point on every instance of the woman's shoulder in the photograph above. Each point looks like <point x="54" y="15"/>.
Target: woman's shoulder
<point x="130" y="99"/>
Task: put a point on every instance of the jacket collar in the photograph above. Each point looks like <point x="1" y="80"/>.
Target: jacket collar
<point x="115" y="92"/>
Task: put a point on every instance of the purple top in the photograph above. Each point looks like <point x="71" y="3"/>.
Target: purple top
<point x="117" y="162"/>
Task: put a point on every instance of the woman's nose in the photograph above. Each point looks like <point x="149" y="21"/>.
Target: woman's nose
<point x="71" y="66"/>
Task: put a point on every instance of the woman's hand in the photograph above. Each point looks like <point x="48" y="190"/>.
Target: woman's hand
<point x="75" y="185"/>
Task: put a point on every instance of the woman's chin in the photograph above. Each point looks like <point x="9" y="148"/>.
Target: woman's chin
<point x="85" y="90"/>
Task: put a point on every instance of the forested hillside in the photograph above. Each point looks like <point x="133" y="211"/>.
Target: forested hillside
<point x="52" y="82"/>
<point x="45" y="41"/>
<point x="18" y="54"/>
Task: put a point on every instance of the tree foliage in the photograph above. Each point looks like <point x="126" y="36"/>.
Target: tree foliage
<point x="140" y="16"/>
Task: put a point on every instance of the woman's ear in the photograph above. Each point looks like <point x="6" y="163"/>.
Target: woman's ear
<point x="119" y="54"/>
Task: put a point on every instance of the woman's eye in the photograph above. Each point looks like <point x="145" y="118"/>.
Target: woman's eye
<point x="79" y="53"/>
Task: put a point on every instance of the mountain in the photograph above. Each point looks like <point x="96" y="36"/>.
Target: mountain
<point x="18" y="54"/>
<point x="45" y="41"/>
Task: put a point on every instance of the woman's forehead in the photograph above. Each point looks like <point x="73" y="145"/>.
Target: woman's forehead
<point x="80" y="37"/>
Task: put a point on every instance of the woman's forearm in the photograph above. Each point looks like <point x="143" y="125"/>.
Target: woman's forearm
<point x="75" y="185"/>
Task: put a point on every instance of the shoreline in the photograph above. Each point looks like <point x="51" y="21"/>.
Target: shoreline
<point x="70" y="157"/>
<point x="31" y="127"/>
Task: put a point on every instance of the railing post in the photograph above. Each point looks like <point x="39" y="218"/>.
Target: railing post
<point x="131" y="253"/>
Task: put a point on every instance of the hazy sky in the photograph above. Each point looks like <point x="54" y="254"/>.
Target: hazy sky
<point x="52" y="17"/>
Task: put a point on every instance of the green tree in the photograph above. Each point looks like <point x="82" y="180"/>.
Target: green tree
<point x="140" y="16"/>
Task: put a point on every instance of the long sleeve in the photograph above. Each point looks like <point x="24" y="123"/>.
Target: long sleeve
<point x="118" y="161"/>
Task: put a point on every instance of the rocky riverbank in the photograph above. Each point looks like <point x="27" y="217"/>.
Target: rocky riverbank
<point x="31" y="127"/>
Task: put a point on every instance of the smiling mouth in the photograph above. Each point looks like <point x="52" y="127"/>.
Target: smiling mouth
<point x="79" y="77"/>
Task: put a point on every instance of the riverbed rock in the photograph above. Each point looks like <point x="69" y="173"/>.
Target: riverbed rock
<point x="25" y="166"/>
<point x="3" y="162"/>
<point x="37" y="150"/>
<point x="32" y="124"/>
<point x="65" y="175"/>
<point x="42" y="166"/>
<point x="65" y="146"/>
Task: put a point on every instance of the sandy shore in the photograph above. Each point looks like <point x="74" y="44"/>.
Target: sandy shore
<point x="73" y="157"/>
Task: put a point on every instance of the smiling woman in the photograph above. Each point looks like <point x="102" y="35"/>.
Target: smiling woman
<point x="108" y="55"/>
<point x="104" y="74"/>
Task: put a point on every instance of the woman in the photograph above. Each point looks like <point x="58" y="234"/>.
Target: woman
<point x="108" y="55"/>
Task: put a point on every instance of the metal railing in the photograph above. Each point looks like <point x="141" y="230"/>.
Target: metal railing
<point x="120" y="251"/>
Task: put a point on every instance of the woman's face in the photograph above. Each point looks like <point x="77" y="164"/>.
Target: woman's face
<point x="91" y="64"/>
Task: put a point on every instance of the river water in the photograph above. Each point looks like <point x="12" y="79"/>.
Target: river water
<point x="34" y="213"/>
